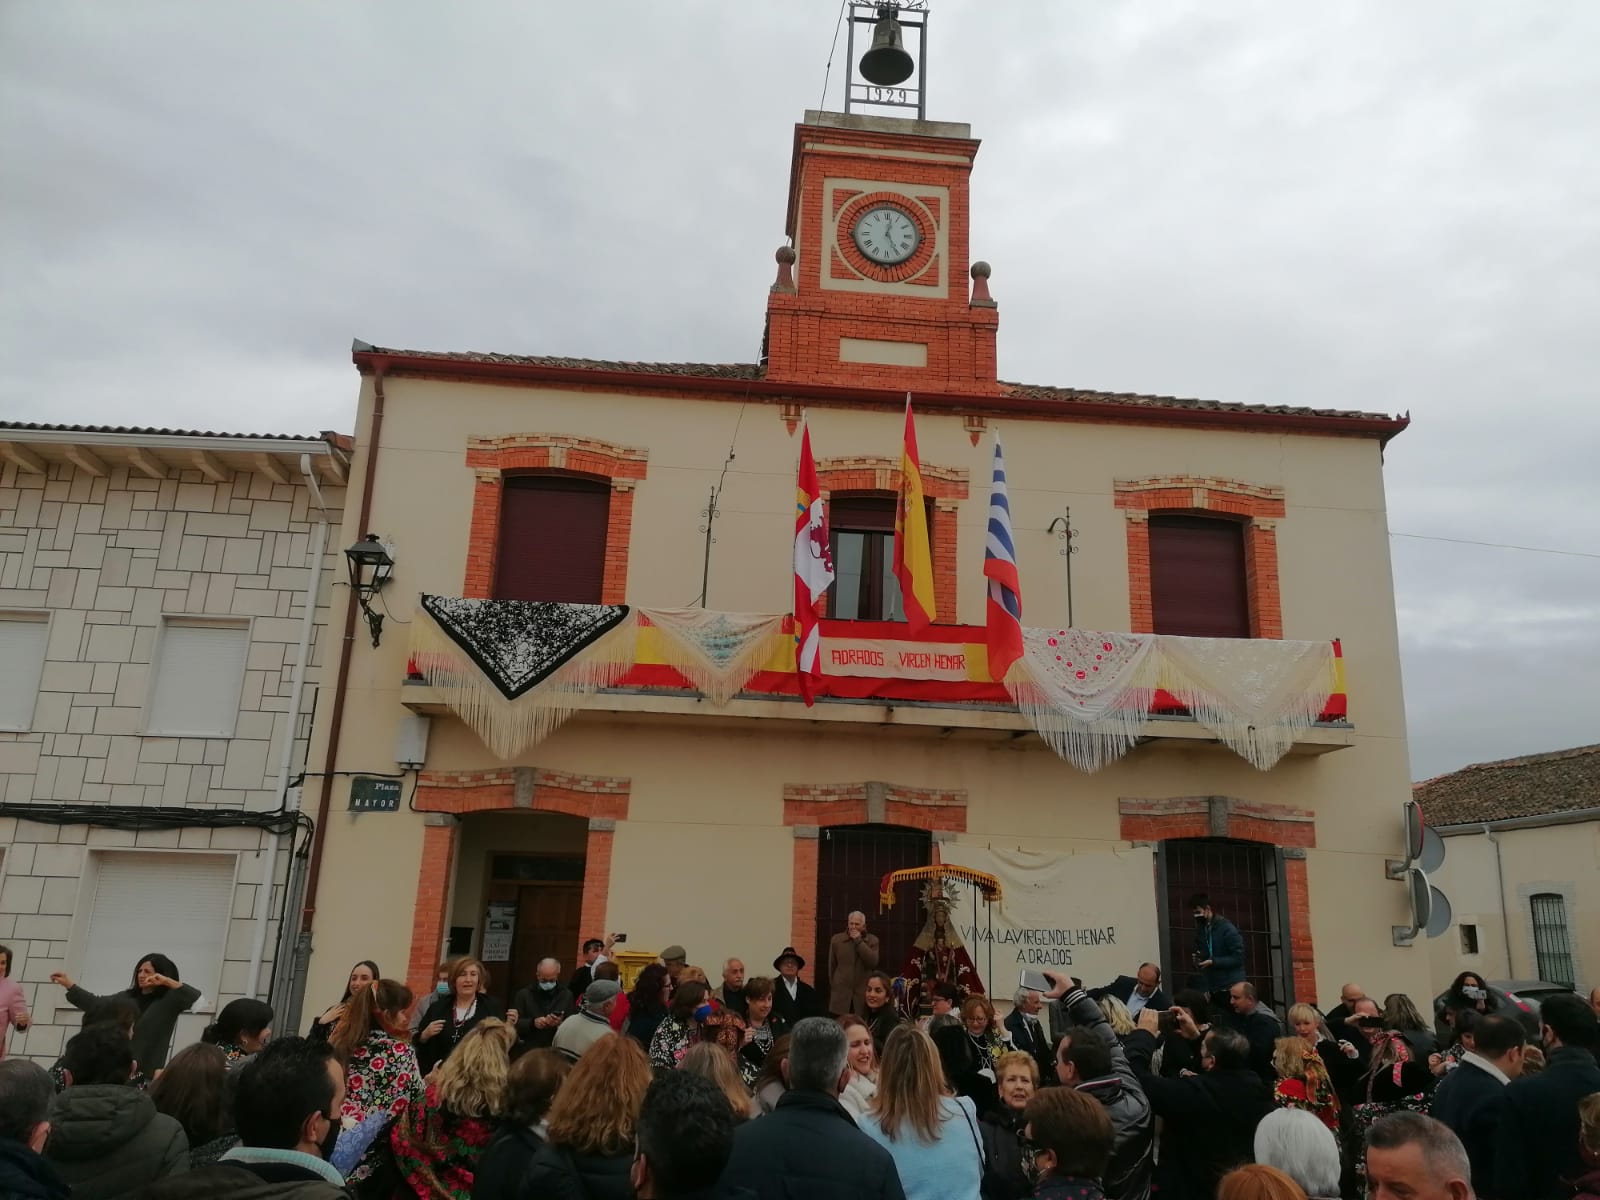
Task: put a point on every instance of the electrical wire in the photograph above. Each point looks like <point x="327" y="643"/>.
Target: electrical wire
<point x="138" y="817"/>
<point x="828" y="70"/>
<point x="1430" y="537"/>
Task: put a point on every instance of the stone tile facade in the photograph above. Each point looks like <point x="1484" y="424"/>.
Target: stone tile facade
<point x="108" y="553"/>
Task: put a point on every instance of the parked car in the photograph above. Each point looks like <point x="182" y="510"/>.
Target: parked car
<point x="1518" y="997"/>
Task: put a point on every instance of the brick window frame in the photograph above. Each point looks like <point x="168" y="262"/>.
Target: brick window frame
<point x="946" y="487"/>
<point x="1295" y="829"/>
<point x="1261" y="507"/>
<point x="809" y="808"/>
<point x="444" y="797"/>
<point x="492" y="458"/>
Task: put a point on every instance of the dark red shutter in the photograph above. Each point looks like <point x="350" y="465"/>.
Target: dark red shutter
<point x="552" y="539"/>
<point x="862" y="512"/>
<point x="1197" y="582"/>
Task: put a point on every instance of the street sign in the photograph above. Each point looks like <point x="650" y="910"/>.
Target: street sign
<point x="370" y="794"/>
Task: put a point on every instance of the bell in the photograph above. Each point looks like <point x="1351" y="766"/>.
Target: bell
<point x="887" y="62"/>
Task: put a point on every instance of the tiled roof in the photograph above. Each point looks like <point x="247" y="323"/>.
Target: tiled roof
<point x="151" y="431"/>
<point x="1531" y="786"/>
<point x="753" y="371"/>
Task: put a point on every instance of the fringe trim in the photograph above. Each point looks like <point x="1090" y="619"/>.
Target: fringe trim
<point x="717" y="682"/>
<point x="1087" y="745"/>
<point x="1260" y="729"/>
<point x="508" y="727"/>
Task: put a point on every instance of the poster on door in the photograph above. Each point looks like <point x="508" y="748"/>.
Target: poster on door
<point x="498" y="928"/>
<point x="1091" y="915"/>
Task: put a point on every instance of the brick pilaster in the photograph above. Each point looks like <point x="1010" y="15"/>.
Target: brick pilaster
<point x="430" y="916"/>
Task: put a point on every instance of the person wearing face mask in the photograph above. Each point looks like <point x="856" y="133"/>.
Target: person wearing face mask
<point x="454" y="1014"/>
<point x="542" y="1006"/>
<point x="1218" y="954"/>
<point x="286" y="1111"/>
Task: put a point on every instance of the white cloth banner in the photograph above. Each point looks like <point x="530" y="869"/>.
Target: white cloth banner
<point x="1091" y="915"/>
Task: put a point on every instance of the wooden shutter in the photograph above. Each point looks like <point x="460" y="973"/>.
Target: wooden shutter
<point x="552" y="539"/>
<point x="1197" y="580"/>
<point x="862" y="512"/>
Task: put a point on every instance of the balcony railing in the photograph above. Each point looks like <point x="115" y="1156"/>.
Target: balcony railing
<point x="1260" y="698"/>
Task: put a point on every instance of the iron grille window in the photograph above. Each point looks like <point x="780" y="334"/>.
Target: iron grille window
<point x="1552" y="947"/>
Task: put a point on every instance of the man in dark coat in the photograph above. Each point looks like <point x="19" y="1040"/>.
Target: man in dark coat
<point x="1137" y="992"/>
<point x="543" y="1005"/>
<point x="1091" y="1060"/>
<point x="1028" y="1033"/>
<point x="595" y="952"/>
<point x="1259" y="1025"/>
<point x="25" y="1095"/>
<point x="793" y="999"/>
<point x="1536" y="1143"/>
<point x="106" y="1137"/>
<point x="684" y="1135"/>
<point x="1468" y="1099"/>
<point x="809" y="1145"/>
<point x="1210" y="1118"/>
<point x="1218" y="954"/>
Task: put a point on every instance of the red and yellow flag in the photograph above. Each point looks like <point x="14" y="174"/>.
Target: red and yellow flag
<point x="913" y="559"/>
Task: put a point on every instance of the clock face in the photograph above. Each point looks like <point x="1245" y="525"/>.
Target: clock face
<point x="886" y="235"/>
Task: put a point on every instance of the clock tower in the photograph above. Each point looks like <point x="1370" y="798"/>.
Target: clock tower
<point x="873" y="290"/>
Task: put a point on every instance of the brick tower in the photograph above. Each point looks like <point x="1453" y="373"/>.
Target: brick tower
<point x="874" y="292"/>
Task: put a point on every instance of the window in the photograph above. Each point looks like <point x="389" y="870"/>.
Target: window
<point x="199" y="673"/>
<point x="178" y="904"/>
<point x="22" y="644"/>
<point x="1469" y="939"/>
<point x="1197" y="577"/>
<point x="552" y="539"/>
<point x="861" y="531"/>
<point x="1552" y="947"/>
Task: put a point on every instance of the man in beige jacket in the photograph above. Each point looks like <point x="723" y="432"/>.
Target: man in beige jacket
<point x="852" y="956"/>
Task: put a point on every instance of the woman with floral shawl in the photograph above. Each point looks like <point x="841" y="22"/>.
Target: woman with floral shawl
<point x="437" y="1143"/>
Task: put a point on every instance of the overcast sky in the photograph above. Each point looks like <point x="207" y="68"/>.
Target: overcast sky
<point x="1359" y="205"/>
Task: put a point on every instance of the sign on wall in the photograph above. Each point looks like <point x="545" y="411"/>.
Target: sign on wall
<point x="1091" y="915"/>
<point x="371" y="794"/>
<point x="499" y="926"/>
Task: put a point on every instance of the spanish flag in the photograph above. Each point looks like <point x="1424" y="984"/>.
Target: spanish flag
<point x="913" y="560"/>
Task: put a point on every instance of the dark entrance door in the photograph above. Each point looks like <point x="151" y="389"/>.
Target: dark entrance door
<point x="851" y="859"/>
<point x="547" y="890"/>
<point x="1245" y="883"/>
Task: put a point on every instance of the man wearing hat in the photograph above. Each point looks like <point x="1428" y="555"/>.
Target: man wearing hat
<point x="673" y="958"/>
<point x="591" y="1023"/>
<point x="792" y="998"/>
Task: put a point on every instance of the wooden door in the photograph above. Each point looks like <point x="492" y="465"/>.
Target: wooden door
<point x="548" y="913"/>
<point x="850" y="862"/>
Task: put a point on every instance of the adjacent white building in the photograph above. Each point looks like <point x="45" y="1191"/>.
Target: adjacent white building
<point x="163" y="615"/>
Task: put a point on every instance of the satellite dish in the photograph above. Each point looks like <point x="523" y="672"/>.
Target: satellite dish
<point x="1432" y="856"/>
<point x="1421" y="899"/>
<point x="1413" y="830"/>
<point x="1440" y="917"/>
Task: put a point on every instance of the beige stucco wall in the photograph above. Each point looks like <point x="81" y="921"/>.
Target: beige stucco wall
<point x="1560" y="859"/>
<point x="706" y="803"/>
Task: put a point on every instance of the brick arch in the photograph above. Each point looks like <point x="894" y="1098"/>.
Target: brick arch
<point x="1295" y="829"/>
<point x="1261" y="506"/>
<point x="945" y="486"/>
<point x="492" y="458"/>
<point x="809" y="808"/>
<point x="444" y="797"/>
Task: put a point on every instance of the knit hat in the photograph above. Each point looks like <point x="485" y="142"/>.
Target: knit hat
<point x="600" y="991"/>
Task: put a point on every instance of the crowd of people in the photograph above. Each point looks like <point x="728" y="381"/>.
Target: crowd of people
<point x="763" y="1087"/>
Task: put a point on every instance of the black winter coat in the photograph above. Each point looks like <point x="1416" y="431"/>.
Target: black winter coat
<point x="505" y="1172"/>
<point x="809" y="1146"/>
<point x="1469" y="1100"/>
<point x="436" y="1049"/>
<point x="24" y="1175"/>
<point x="1536" y="1145"/>
<point x="559" y="1174"/>
<point x="1210" y="1118"/>
<point x="805" y="1003"/>
<point x="107" y="1140"/>
<point x="1004" y="1174"/>
<point x="531" y="1002"/>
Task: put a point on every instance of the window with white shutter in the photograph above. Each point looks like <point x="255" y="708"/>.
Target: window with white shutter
<point x="199" y="674"/>
<point x="22" y="643"/>
<point x="153" y="903"/>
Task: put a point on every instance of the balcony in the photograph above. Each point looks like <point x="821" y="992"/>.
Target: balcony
<point x="728" y="670"/>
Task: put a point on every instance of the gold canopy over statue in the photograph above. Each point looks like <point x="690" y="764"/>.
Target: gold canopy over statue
<point x="938" y="956"/>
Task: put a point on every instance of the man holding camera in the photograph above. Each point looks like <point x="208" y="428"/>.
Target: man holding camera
<point x="1218" y="955"/>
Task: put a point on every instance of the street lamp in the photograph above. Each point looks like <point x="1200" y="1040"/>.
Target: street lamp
<point x="370" y="564"/>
